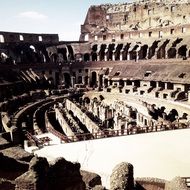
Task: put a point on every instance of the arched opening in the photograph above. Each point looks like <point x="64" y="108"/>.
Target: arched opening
<point x="86" y="57"/>
<point x="63" y="51"/>
<point x="118" y="51"/>
<point x="161" y="53"/>
<point x="94" y="56"/>
<point x="133" y="53"/>
<point x="71" y="53"/>
<point x="2" y="40"/>
<point x="100" y="81"/>
<point x="125" y="51"/>
<point x="172" y="53"/>
<point x="105" y="83"/>
<point x="121" y="83"/>
<point x="94" y="52"/>
<point x="79" y="79"/>
<point x="153" y="84"/>
<point x="128" y="82"/>
<point x="102" y="52"/>
<point x="152" y="49"/>
<point x="67" y="80"/>
<point x="182" y="52"/>
<point x="111" y="48"/>
<point x="86" y="80"/>
<point x="143" y="52"/>
<point x="87" y="100"/>
<point x="93" y="82"/>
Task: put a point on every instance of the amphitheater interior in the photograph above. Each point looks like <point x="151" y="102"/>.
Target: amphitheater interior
<point x="128" y="74"/>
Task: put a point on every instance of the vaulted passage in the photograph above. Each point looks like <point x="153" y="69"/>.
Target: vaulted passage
<point x="143" y="52"/>
<point x="94" y="53"/>
<point x="111" y="48"/>
<point x="67" y="80"/>
<point x="93" y="82"/>
<point x="152" y="49"/>
<point x="172" y="53"/>
<point x="118" y="51"/>
<point x="133" y="52"/>
<point x="71" y="53"/>
<point x="102" y="52"/>
<point x="125" y="52"/>
<point x="63" y="52"/>
<point x="162" y="50"/>
<point x="182" y="51"/>
<point x="86" y="57"/>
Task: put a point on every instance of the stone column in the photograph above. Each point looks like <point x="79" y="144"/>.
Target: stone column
<point x="121" y="56"/>
<point x="83" y="79"/>
<point x="98" y="58"/>
<point x="137" y="56"/>
<point x="128" y="56"/>
<point x="105" y="57"/>
<point x="72" y="81"/>
<point x="113" y="56"/>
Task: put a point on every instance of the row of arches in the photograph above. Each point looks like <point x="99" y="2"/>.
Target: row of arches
<point x="134" y="51"/>
<point x="32" y="53"/>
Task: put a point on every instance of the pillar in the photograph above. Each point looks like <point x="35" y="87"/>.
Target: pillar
<point x="128" y="56"/>
<point x="121" y="56"/>
<point x="113" y="56"/>
<point x="72" y="81"/>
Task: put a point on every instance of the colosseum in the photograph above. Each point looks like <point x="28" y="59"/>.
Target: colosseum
<point x="119" y="94"/>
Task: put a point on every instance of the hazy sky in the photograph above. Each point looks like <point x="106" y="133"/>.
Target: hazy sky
<point x="62" y="17"/>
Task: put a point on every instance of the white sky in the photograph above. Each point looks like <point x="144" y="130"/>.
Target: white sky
<point x="62" y="17"/>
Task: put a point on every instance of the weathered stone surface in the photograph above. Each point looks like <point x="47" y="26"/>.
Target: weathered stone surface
<point x="4" y="143"/>
<point x="91" y="179"/>
<point x="7" y="184"/>
<point x="17" y="153"/>
<point x="150" y="183"/>
<point x="176" y="184"/>
<point x="36" y="177"/>
<point x="122" y="177"/>
<point x="98" y="187"/>
<point x="11" y="168"/>
<point x="65" y="175"/>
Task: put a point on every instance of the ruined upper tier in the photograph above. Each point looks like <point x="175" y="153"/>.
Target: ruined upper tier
<point x="136" y="20"/>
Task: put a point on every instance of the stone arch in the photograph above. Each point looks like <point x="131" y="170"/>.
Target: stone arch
<point x="162" y="50"/>
<point x="133" y="52"/>
<point x="180" y="96"/>
<point x="125" y="51"/>
<point x="111" y="48"/>
<point x="182" y="51"/>
<point x="102" y="52"/>
<point x="152" y="49"/>
<point x="86" y="57"/>
<point x="172" y="53"/>
<point x="63" y="51"/>
<point x="105" y="82"/>
<point x="118" y="51"/>
<point x="121" y="83"/>
<point x="70" y="53"/>
<point x="143" y="52"/>
<point x="101" y="80"/>
<point x="94" y="52"/>
<point x="93" y="81"/>
<point x="86" y="80"/>
<point x="67" y="80"/>
<point x="79" y="81"/>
